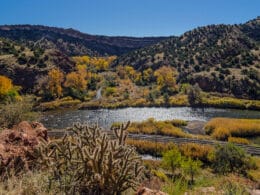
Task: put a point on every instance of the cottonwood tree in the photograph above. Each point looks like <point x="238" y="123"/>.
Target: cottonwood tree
<point x="55" y="79"/>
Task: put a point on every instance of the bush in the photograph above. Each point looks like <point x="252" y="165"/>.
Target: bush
<point x="88" y="162"/>
<point x="230" y="158"/>
<point x="194" y="95"/>
<point x="14" y="112"/>
<point x="191" y="167"/>
<point x="172" y="159"/>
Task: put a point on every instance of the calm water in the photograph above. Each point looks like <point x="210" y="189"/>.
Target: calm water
<point x="105" y="117"/>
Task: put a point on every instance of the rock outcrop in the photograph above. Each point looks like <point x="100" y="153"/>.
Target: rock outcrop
<point x="17" y="146"/>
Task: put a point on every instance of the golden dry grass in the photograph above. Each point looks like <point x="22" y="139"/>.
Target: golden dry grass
<point x="230" y="102"/>
<point x="152" y="126"/>
<point x="196" y="151"/>
<point x="238" y="140"/>
<point x="222" y="128"/>
<point x="149" y="147"/>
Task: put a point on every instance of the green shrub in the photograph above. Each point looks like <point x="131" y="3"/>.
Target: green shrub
<point x="230" y="158"/>
<point x="172" y="159"/>
<point x="191" y="168"/>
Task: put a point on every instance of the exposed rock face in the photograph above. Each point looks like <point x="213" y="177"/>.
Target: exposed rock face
<point x="17" y="146"/>
<point x="147" y="191"/>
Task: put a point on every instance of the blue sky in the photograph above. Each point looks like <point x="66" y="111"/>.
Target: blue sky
<point x="128" y="17"/>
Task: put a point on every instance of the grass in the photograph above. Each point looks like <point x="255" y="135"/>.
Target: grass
<point x="66" y="102"/>
<point x="28" y="183"/>
<point x="222" y="128"/>
<point x="255" y="174"/>
<point x="255" y="140"/>
<point x="151" y="126"/>
<point x="168" y="128"/>
<point x="192" y="150"/>
<point x="149" y="147"/>
<point x="207" y="182"/>
<point x="238" y="140"/>
<point x="230" y="102"/>
<point x="196" y="151"/>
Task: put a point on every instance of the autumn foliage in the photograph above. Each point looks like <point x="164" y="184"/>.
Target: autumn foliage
<point x="55" y="79"/>
<point x="165" y="78"/>
<point x="77" y="79"/>
<point x="7" y="89"/>
<point x="97" y="63"/>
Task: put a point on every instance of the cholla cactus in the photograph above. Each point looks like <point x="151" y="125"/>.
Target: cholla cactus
<point x="90" y="162"/>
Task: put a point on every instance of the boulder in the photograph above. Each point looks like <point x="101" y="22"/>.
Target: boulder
<point x="17" y="146"/>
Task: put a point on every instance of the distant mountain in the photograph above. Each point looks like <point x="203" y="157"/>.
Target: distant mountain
<point x="221" y="58"/>
<point x="72" y="42"/>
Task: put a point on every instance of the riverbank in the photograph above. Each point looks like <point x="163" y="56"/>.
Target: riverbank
<point x="174" y="101"/>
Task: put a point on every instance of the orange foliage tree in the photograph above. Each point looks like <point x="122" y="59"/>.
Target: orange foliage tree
<point x="55" y="79"/>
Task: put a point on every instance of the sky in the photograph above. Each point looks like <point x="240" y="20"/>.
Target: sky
<point x="128" y="17"/>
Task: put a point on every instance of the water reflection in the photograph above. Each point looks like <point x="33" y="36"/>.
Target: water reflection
<point x="105" y="117"/>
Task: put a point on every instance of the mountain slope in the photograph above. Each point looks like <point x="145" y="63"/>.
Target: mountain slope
<point x="72" y="42"/>
<point x="24" y="65"/>
<point x="222" y="58"/>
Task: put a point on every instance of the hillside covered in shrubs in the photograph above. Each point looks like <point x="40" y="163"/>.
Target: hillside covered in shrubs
<point x="220" y="58"/>
<point x="216" y="65"/>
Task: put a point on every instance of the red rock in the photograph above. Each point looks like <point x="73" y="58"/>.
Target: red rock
<point x="17" y="145"/>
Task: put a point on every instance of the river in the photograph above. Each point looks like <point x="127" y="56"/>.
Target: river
<point x="105" y="117"/>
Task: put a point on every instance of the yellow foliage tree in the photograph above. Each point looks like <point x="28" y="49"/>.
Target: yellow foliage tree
<point x="77" y="79"/>
<point x="98" y="63"/>
<point x="5" y="85"/>
<point x="7" y="88"/>
<point x="166" y="78"/>
<point x="55" y="79"/>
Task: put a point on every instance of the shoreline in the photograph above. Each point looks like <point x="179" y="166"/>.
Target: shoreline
<point x="79" y="106"/>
